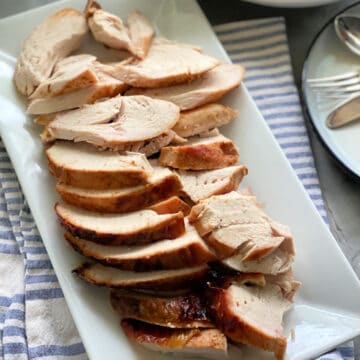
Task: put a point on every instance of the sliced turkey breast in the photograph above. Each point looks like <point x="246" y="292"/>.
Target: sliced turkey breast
<point x="183" y="311"/>
<point x="186" y="250"/>
<point x="72" y="73"/>
<point x="277" y="262"/>
<point x="56" y="37"/>
<point x="234" y="224"/>
<point x="109" y="29"/>
<point x="200" y="154"/>
<point x="135" y="228"/>
<point x="162" y="184"/>
<point x="106" y="86"/>
<point x="199" y="185"/>
<point x="115" y="122"/>
<point x="203" y="343"/>
<point x="101" y="275"/>
<point x="170" y="206"/>
<point x="221" y="211"/>
<point x="202" y="119"/>
<point x="167" y="63"/>
<point x="251" y="315"/>
<point x="82" y="165"/>
<point x="210" y="87"/>
<point x="286" y="282"/>
<point x="141" y="33"/>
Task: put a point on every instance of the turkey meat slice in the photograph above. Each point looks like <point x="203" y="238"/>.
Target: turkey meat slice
<point x="105" y="86"/>
<point x="199" y="185"/>
<point x="235" y="224"/>
<point x="135" y="228"/>
<point x="203" y="119"/>
<point x="109" y="29"/>
<point x="183" y="311"/>
<point x="56" y="37"/>
<point x="251" y="315"/>
<point x="82" y="165"/>
<point x="200" y="154"/>
<point x="167" y="63"/>
<point x="101" y="275"/>
<point x="161" y="184"/>
<point x="186" y="250"/>
<point x="209" y="88"/>
<point x="194" y="343"/>
<point x="114" y="122"/>
<point x="72" y="73"/>
<point x="141" y="33"/>
<point x="276" y="262"/>
<point x="171" y="205"/>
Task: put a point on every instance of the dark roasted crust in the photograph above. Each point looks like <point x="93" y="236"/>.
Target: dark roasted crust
<point x="186" y="311"/>
<point x="192" y="255"/>
<point x="142" y="198"/>
<point x="172" y="283"/>
<point x="220" y="304"/>
<point x="201" y="156"/>
<point x="144" y="333"/>
<point x="167" y="229"/>
<point x="96" y="179"/>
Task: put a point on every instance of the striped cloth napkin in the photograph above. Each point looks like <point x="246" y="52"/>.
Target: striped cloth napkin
<point x="34" y="320"/>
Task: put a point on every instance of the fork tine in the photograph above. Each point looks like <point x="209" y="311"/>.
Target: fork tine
<point x="341" y="90"/>
<point x="345" y="76"/>
<point x="340" y="83"/>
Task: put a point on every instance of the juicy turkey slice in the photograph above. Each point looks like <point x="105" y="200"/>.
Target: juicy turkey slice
<point x="200" y="154"/>
<point x="198" y="343"/>
<point x="114" y="122"/>
<point x="251" y="315"/>
<point x="184" y="311"/>
<point x="72" y="73"/>
<point x="167" y="63"/>
<point x="109" y="30"/>
<point x="199" y="185"/>
<point x="135" y="228"/>
<point x="101" y="275"/>
<point x="210" y="87"/>
<point x="234" y="224"/>
<point x="141" y="33"/>
<point x="82" y="165"/>
<point x="186" y="250"/>
<point x="221" y="211"/>
<point x="162" y="184"/>
<point x="203" y="119"/>
<point x="277" y="262"/>
<point x="106" y="86"/>
<point x="286" y="282"/>
<point x="56" y="37"/>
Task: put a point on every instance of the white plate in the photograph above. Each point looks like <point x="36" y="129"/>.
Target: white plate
<point x="326" y="312"/>
<point x="329" y="56"/>
<point x="292" y="3"/>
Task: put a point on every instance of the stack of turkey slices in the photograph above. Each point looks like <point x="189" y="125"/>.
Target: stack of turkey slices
<point x="190" y="260"/>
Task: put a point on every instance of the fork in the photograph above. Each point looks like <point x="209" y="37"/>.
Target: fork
<point x="338" y="86"/>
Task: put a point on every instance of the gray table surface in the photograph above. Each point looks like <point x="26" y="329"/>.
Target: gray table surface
<point x="341" y="192"/>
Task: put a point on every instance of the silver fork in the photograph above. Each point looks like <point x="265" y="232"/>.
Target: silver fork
<point x="338" y="86"/>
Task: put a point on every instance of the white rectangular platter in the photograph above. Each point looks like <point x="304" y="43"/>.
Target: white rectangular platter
<point x="327" y="308"/>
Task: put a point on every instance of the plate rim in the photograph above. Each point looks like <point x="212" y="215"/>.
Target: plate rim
<point x="310" y="120"/>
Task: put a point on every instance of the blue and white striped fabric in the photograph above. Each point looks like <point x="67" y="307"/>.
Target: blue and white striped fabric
<point x="34" y="320"/>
